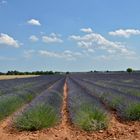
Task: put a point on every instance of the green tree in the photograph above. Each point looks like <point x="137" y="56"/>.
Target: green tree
<point x="129" y="70"/>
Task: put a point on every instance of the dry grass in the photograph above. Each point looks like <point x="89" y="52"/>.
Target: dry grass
<point x="5" y="77"/>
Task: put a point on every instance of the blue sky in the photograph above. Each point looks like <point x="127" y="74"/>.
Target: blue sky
<point x="74" y="35"/>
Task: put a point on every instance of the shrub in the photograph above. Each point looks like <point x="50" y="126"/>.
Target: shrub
<point x="36" y="118"/>
<point x="8" y="105"/>
<point x="131" y="112"/>
<point x="91" y="118"/>
<point x="111" y="101"/>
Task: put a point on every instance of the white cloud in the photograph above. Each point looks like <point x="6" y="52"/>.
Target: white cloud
<point x="33" y="38"/>
<point x="125" y="33"/>
<point x="55" y="35"/>
<point x="86" y="30"/>
<point x="72" y="54"/>
<point x="8" y="40"/>
<point x="67" y="54"/>
<point x="84" y="44"/>
<point x="34" y="22"/>
<point x="52" y="38"/>
<point x="49" y="53"/>
<point x="96" y="41"/>
<point x="104" y="57"/>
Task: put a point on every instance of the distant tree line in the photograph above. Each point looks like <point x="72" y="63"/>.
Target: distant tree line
<point x="129" y="70"/>
<point x="15" y="72"/>
<point x="29" y="73"/>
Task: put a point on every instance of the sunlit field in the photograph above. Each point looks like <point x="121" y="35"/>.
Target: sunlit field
<point x="89" y="104"/>
<point x="5" y="77"/>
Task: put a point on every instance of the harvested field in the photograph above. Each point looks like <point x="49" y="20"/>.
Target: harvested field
<point x="5" y="77"/>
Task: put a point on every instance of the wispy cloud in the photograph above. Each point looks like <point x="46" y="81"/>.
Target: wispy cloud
<point x="86" y="30"/>
<point x="8" y="40"/>
<point x="28" y="53"/>
<point x="67" y="54"/>
<point x="34" y="22"/>
<point x="111" y="57"/>
<point x="125" y="33"/>
<point x="52" y="38"/>
<point x="3" y="2"/>
<point x="33" y="38"/>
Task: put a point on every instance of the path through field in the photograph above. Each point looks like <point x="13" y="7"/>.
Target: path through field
<point x="66" y="131"/>
<point x="65" y="125"/>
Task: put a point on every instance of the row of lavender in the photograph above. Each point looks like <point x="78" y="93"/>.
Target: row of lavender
<point x="44" y="111"/>
<point x="85" y="110"/>
<point x="19" y="94"/>
<point x="11" y="85"/>
<point x="122" y="97"/>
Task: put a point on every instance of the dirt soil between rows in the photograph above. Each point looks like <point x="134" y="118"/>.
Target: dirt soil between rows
<point x="117" y="129"/>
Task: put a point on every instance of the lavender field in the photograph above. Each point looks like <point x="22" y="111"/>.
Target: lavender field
<point x="90" y="100"/>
